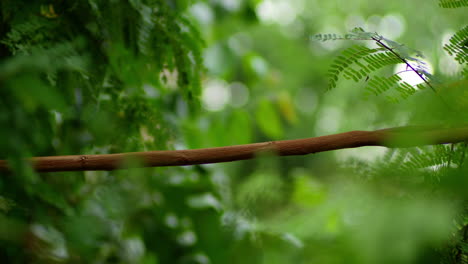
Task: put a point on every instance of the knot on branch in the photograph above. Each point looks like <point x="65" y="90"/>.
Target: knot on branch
<point x="83" y="159"/>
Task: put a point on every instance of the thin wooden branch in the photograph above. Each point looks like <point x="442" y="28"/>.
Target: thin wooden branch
<point x="391" y="137"/>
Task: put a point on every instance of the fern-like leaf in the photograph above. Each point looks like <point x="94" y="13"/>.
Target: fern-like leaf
<point x="355" y="34"/>
<point x="369" y="64"/>
<point x="359" y="62"/>
<point x="458" y="45"/>
<point x="383" y="85"/>
<point x="453" y="3"/>
<point x="350" y="56"/>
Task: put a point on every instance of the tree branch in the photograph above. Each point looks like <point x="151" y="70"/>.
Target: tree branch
<point x="392" y="137"/>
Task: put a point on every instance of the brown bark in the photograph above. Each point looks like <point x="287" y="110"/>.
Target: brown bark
<point x="392" y="137"/>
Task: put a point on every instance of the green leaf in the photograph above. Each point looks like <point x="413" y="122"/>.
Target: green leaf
<point x="268" y="120"/>
<point x="240" y="128"/>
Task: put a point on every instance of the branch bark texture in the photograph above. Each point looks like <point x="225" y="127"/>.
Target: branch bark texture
<point x="399" y="137"/>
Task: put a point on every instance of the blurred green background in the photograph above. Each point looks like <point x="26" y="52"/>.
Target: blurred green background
<point x="97" y="77"/>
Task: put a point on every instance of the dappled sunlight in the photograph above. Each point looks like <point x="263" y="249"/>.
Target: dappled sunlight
<point x="354" y="20"/>
<point x="392" y="26"/>
<point x="366" y="154"/>
<point x="216" y="94"/>
<point x="409" y="76"/>
<point x="329" y="121"/>
<point x="279" y="11"/>
<point x="233" y="131"/>
<point x="240" y="43"/>
<point x="202" y="12"/>
<point x="306" y="100"/>
<point x="447" y="64"/>
<point x="239" y="94"/>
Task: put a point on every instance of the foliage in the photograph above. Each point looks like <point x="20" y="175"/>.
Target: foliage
<point x="453" y="3"/>
<point x="94" y="77"/>
<point x="458" y="45"/>
<point x="439" y="166"/>
<point x="133" y="75"/>
<point x="367" y="61"/>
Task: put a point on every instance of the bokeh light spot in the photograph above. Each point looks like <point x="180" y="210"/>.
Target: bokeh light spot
<point x="216" y="94"/>
<point x="239" y="94"/>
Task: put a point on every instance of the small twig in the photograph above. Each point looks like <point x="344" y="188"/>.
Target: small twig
<point x="408" y="65"/>
<point x="403" y="71"/>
